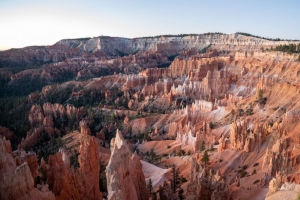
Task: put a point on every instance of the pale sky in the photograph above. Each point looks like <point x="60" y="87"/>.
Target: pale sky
<point x="37" y="22"/>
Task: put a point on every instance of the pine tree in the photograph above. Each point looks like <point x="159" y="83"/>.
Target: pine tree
<point x="149" y="186"/>
<point x="202" y="147"/>
<point x="180" y="194"/>
<point x="205" y="158"/>
<point x="175" y="180"/>
<point x="261" y="97"/>
<point x="130" y="132"/>
<point x="154" y="197"/>
<point x="152" y="154"/>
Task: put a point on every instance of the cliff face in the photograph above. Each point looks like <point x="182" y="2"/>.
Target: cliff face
<point x="82" y="183"/>
<point x="206" y="184"/>
<point x="42" y="118"/>
<point x="125" y="178"/>
<point x="17" y="182"/>
<point x="110" y="44"/>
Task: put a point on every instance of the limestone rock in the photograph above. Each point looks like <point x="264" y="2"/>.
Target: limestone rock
<point x="7" y="161"/>
<point x="242" y="137"/>
<point x="82" y="183"/>
<point x="5" y="132"/>
<point x="18" y="182"/>
<point x="273" y="187"/>
<point x="206" y="184"/>
<point x="20" y="185"/>
<point x="125" y="178"/>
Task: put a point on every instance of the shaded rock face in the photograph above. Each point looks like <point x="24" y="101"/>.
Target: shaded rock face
<point x="18" y="182"/>
<point x="82" y="183"/>
<point x="30" y="158"/>
<point x="5" y="132"/>
<point x="205" y="184"/>
<point x="125" y="178"/>
<point x="42" y="118"/>
<point x="165" y="192"/>
<point x="38" y="113"/>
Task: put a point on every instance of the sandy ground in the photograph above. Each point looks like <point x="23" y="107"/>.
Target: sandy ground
<point x="156" y="174"/>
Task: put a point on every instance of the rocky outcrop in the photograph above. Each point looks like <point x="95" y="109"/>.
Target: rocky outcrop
<point x="20" y="185"/>
<point x="17" y="182"/>
<point x="5" y="132"/>
<point x="125" y="178"/>
<point x="44" y="115"/>
<point x="42" y="118"/>
<point x="7" y="162"/>
<point x="31" y="160"/>
<point x="165" y="192"/>
<point x="276" y="159"/>
<point x="205" y="184"/>
<point x="82" y="183"/>
<point x="31" y="138"/>
<point x="273" y="187"/>
<point x="244" y="137"/>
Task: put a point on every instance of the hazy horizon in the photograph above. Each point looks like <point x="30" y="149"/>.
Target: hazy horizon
<point x="35" y="22"/>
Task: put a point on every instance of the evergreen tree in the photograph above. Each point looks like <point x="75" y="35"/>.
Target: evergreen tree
<point x="175" y="180"/>
<point x="261" y="99"/>
<point x="130" y="132"/>
<point x="149" y="186"/>
<point x="180" y="194"/>
<point x="152" y="154"/>
<point x="154" y="197"/>
<point x="202" y="147"/>
<point x="205" y="158"/>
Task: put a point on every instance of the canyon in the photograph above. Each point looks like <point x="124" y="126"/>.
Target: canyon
<point x="208" y="116"/>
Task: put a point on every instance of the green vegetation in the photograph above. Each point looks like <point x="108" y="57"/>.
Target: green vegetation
<point x="175" y="182"/>
<point x="232" y="112"/>
<point x="255" y="164"/>
<point x="291" y="48"/>
<point x="204" y="50"/>
<point x="154" y="197"/>
<point x="249" y="111"/>
<point x="74" y="159"/>
<point x="202" y="147"/>
<point x="102" y="177"/>
<point x="271" y="39"/>
<point x="212" y="125"/>
<point x="261" y="99"/>
<point x="205" y="158"/>
<point x="149" y="186"/>
<point x="182" y="35"/>
<point x="180" y="152"/>
<point x="48" y="145"/>
<point x="242" y="171"/>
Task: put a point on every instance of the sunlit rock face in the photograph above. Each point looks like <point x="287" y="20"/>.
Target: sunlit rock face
<point x="125" y="178"/>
